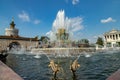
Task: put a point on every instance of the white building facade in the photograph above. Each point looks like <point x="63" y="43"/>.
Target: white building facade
<point x="112" y="38"/>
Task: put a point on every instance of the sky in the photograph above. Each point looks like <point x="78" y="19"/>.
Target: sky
<point x="92" y="18"/>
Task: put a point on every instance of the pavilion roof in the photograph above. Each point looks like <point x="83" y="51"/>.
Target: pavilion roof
<point x="18" y="38"/>
<point x="112" y="32"/>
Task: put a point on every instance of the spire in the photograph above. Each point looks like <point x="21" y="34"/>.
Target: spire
<point x="12" y="24"/>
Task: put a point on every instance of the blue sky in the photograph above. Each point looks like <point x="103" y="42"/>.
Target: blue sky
<point x="36" y="17"/>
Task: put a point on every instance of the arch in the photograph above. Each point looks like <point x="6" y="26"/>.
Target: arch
<point x="14" y="46"/>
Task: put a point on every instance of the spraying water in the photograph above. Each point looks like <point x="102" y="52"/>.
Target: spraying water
<point x="37" y="56"/>
<point x="71" y="25"/>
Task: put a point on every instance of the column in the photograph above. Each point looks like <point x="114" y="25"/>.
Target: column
<point x="105" y="44"/>
<point x="111" y="37"/>
<point x="112" y="44"/>
<point x="115" y="37"/>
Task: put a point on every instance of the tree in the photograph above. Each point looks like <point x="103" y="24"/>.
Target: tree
<point x="99" y="41"/>
<point x="44" y="39"/>
<point x="36" y="37"/>
<point x="84" y="41"/>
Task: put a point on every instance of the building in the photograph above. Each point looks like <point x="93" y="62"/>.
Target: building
<point x="44" y="42"/>
<point x="83" y="43"/>
<point x="11" y="31"/>
<point x="13" y="40"/>
<point x="112" y="38"/>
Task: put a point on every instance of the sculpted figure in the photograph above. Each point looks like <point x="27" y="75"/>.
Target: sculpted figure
<point x="74" y="66"/>
<point x="55" y="68"/>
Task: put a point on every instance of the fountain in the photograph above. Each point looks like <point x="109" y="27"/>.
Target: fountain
<point x="63" y="60"/>
<point x="62" y="43"/>
<point x="61" y="37"/>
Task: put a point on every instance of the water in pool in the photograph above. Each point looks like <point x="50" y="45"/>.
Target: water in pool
<point x="93" y="66"/>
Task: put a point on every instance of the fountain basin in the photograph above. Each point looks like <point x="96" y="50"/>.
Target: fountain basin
<point x="63" y="50"/>
<point x="98" y="66"/>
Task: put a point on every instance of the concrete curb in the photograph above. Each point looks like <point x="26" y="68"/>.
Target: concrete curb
<point x="8" y="74"/>
<point x="114" y="76"/>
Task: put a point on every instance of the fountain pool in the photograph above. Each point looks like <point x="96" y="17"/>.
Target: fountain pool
<point x="93" y="67"/>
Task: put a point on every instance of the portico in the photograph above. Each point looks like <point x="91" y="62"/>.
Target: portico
<point x="112" y="38"/>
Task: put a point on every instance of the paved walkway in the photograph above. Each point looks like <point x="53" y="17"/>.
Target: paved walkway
<point x="114" y="76"/>
<point x="8" y="74"/>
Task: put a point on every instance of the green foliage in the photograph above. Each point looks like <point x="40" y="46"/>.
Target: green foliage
<point x="84" y="41"/>
<point x="99" y="41"/>
<point x="44" y="39"/>
<point x="119" y="44"/>
<point x="36" y="37"/>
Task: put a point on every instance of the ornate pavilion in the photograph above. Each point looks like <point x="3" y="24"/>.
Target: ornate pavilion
<point x="112" y="38"/>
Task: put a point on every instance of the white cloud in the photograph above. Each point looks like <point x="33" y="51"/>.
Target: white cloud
<point x="74" y="2"/>
<point x="36" y="21"/>
<point x="75" y="24"/>
<point x="51" y="35"/>
<point x="97" y="36"/>
<point x="48" y="33"/>
<point x="24" y="16"/>
<point x="107" y="20"/>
